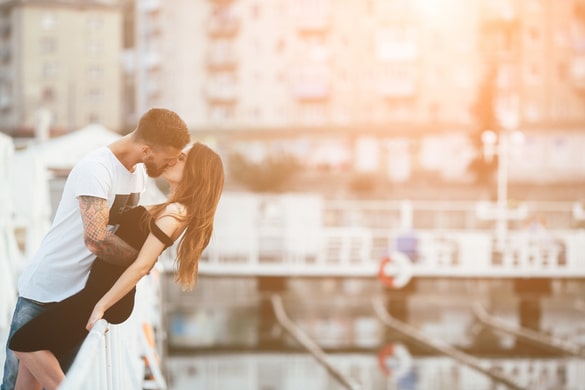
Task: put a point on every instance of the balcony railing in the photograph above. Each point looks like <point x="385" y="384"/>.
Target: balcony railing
<point x="578" y="71"/>
<point x="397" y="88"/>
<point x="223" y="27"/>
<point x="222" y="93"/>
<point x="222" y="61"/>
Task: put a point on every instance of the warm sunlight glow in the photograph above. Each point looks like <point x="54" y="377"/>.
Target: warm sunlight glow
<point x="431" y="8"/>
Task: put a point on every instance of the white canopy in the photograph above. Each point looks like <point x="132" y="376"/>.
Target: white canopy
<point x="10" y="255"/>
<point x="65" y="151"/>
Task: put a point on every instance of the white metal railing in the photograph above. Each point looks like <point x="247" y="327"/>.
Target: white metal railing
<point x="359" y="251"/>
<point x="92" y="370"/>
<point x="303" y="234"/>
<point x="116" y="357"/>
<point x="107" y="360"/>
<point x="248" y="371"/>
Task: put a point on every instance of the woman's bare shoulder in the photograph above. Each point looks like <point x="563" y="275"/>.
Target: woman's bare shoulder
<point x="176" y="210"/>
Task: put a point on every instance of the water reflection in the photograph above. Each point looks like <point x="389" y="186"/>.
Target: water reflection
<point x="271" y="371"/>
<point x="224" y="335"/>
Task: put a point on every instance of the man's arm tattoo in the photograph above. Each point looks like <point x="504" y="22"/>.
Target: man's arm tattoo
<point x="98" y="239"/>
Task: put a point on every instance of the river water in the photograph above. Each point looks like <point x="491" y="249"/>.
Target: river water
<point x="224" y="335"/>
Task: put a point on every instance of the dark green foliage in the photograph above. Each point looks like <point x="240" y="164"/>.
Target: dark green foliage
<point x="363" y="183"/>
<point x="270" y="175"/>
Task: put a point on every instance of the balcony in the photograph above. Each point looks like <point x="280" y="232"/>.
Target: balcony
<point x="311" y="81"/>
<point x="152" y="60"/>
<point x="5" y="102"/>
<point x="312" y="90"/>
<point x="224" y="26"/>
<point x="5" y="54"/>
<point x="313" y="24"/>
<point x="153" y="88"/>
<point x="222" y="61"/>
<point x="396" y="51"/>
<point x="150" y="5"/>
<point x="222" y="94"/>
<point x="397" y="89"/>
<point x="395" y="11"/>
<point x="578" y="72"/>
<point x="4" y="27"/>
<point x="502" y="12"/>
<point x="313" y="16"/>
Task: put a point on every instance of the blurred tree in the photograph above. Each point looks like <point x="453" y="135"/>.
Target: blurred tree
<point x="270" y="175"/>
<point x="485" y="119"/>
<point x="363" y="183"/>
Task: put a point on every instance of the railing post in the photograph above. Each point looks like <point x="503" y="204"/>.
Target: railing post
<point x="108" y="360"/>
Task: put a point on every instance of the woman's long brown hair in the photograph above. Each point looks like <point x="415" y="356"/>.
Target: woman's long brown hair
<point x="199" y="191"/>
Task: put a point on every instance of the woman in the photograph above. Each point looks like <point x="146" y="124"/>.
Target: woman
<point x="196" y="183"/>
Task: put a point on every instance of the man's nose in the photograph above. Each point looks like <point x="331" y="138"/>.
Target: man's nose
<point x="172" y="163"/>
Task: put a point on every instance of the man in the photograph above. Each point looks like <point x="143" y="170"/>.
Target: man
<point x="99" y="187"/>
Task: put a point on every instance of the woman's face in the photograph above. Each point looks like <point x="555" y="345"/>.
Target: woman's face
<point x="174" y="174"/>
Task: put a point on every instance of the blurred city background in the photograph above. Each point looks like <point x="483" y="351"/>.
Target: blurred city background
<point x="404" y="200"/>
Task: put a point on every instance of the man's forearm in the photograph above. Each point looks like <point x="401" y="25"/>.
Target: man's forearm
<point x="98" y="239"/>
<point x="114" y="250"/>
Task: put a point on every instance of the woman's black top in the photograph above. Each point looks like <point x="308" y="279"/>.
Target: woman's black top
<point x="62" y="326"/>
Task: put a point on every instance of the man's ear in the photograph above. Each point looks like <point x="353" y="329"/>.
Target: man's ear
<point x="145" y="149"/>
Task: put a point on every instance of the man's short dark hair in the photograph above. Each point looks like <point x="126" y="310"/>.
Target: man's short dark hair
<point x="163" y="127"/>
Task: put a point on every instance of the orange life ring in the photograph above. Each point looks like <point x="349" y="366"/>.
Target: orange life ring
<point x="387" y="280"/>
<point x="404" y="270"/>
<point x="388" y="350"/>
<point x="394" y="360"/>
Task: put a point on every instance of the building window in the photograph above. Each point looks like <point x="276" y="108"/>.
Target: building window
<point x="562" y="71"/>
<point x="463" y="76"/>
<point x="49" y="70"/>
<point x="94" y="118"/>
<point x="48" y="45"/>
<point x="95" y="22"/>
<point x="532" y="74"/>
<point x="400" y="111"/>
<point x="95" y="48"/>
<point x="5" y="96"/>
<point x="534" y="5"/>
<point x="531" y="111"/>
<point x="95" y="72"/>
<point x="48" y="21"/>
<point x="94" y="96"/>
<point x="48" y="94"/>
<point x="255" y="11"/>
<point x="313" y="113"/>
<point x="220" y="113"/>
<point x="222" y="51"/>
<point x="533" y="35"/>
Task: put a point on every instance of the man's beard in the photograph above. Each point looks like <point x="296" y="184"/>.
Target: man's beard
<point x="153" y="171"/>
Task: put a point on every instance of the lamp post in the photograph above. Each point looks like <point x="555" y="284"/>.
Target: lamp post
<point x="493" y="144"/>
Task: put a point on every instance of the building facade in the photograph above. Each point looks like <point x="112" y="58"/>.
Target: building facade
<point x="306" y="63"/>
<point x="60" y="65"/>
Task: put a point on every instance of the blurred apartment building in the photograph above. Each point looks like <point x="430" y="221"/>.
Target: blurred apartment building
<point x="371" y="83"/>
<point x="59" y="64"/>
<point x="295" y="63"/>
<point x="364" y="83"/>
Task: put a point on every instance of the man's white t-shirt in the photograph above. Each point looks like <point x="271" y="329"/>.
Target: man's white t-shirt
<point x="61" y="265"/>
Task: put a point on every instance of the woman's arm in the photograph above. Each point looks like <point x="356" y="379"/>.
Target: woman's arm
<point x="147" y="256"/>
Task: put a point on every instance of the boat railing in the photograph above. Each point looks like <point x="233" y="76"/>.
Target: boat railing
<point x="303" y="234"/>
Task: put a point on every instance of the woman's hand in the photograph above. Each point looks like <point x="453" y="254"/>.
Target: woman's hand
<point x="96" y="315"/>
